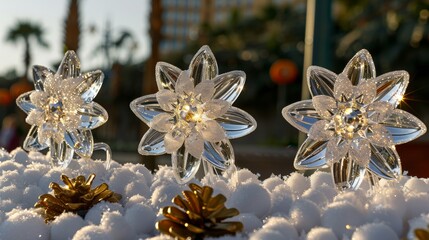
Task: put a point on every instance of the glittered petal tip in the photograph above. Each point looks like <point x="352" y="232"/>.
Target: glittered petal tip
<point x="336" y="149"/>
<point x="320" y="81"/>
<point x="391" y="87"/>
<point x="40" y="73"/>
<point x="184" y="84"/>
<point x="360" y="151"/>
<point x="166" y="76"/>
<point x="204" y="90"/>
<point x="319" y="131"/>
<point x="343" y="89"/>
<point x="69" y="66"/>
<point x="167" y="99"/>
<point x="185" y="165"/>
<point x="301" y="115"/>
<point x="360" y="67"/>
<point x="61" y="153"/>
<point x="31" y="142"/>
<point x="146" y="108"/>
<point x="152" y="143"/>
<point x="219" y="154"/>
<point x="162" y="122"/>
<point x="228" y="86"/>
<point x="311" y="155"/>
<point x="92" y="116"/>
<point x="365" y="92"/>
<point x="203" y="65"/>
<point x="81" y="141"/>
<point x="385" y="162"/>
<point x="23" y="101"/>
<point x="173" y="140"/>
<point x="90" y="85"/>
<point x="324" y="105"/>
<point x="237" y="123"/>
<point x="403" y="126"/>
<point x="212" y="131"/>
<point x="194" y="144"/>
<point x="378" y="111"/>
<point x="347" y="174"/>
<point x="377" y="134"/>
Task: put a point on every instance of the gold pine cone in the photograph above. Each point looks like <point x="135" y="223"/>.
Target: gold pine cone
<point x="422" y="234"/>
<point x="76" y="196"/>
<point x="202" y="215"/>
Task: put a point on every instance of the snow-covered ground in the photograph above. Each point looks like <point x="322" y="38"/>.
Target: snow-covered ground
<point x="291" y="207"/>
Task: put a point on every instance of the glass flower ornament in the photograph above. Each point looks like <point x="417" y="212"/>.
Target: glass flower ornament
<point x="62" y="112"/>
<point x="191" y="116"/>
<point x="352" y="122"/>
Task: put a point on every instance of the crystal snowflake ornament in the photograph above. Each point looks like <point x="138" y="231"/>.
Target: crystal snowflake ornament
<point x="352" y="123"/>
<point x="62" y="112"/>
<point x="191" y="116"/>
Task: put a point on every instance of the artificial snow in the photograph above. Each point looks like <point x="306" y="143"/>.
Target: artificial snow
<point x="279" y="207"/>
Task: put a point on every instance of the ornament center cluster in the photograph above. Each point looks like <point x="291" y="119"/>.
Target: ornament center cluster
<point x="350" y="121"/>
<point x="189" y="109"/>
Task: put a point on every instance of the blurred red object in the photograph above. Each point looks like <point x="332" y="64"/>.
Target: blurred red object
<point x="283" y="71"/>
<point x="5" y="98"/>
<point x="19" y="88"/>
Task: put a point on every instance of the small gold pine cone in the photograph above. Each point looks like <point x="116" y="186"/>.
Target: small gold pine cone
<point x="421" y="233"/>
<point x="76" y="196"/>
<point x="202" y="215"/>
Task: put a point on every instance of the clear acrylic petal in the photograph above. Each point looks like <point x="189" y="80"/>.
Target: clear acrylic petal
<point x="311" y="155"/>
<point x="146" y="108"/>
<point x="90" y="85"/>
<point x="203" y="65"/>
<point x="216" y="108"/>
<point x="81" y="141"/>
<point x="320" y="81"/>
<point x="378" y="111"/>
<point x="360" y="151"/>
<point x="184" y="84"/>
<point x="69" y="66"/>
<point x="31" y="142"/>
<point x="40" y="73"/>
<point x="378" y="135"/>
<point x="166" y="75"/>
<point x="212" y="131"/>
<point x="343" y="89"/>
<point x="92" y="116"/>
<point x="167" y="99"/>
<point x="228" y="86"/>
<point x="336" y="149"/>
<point x="365" y="92"/>
<point x="237" y="123"/>
<point x="185" y="166"/>
<point x="152" y="143"/>
<point x="194" y="144"/>
<point x="23" y="101"/>
<point x="325" y="105"/>
<point x="61" y="154"/>
<point x="205" y="90"/>
<point x="301" y="115"/>
<point x="347" y="174"/>
<point x="162" y="122"/>
<point x="403" y="126"/>
<point x="391" y="87"/>
<point x="360" y="67"/>
<point x="385" y="162"/>
<point x="219" y="154"/>
<point x="319" y="131"/>
<point x="173" y="140"/>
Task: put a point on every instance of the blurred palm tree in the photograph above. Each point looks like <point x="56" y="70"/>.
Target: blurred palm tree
<point x="26" y="31"/>
<point x="72" y="27"/>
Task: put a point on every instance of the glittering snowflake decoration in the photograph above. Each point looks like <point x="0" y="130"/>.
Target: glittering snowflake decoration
<point x="352" y="123"/>
<point x="191" y="116"/>
<point x="61" y="110"/>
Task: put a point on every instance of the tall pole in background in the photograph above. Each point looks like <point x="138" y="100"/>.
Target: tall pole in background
<point x="149" y="83"/>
